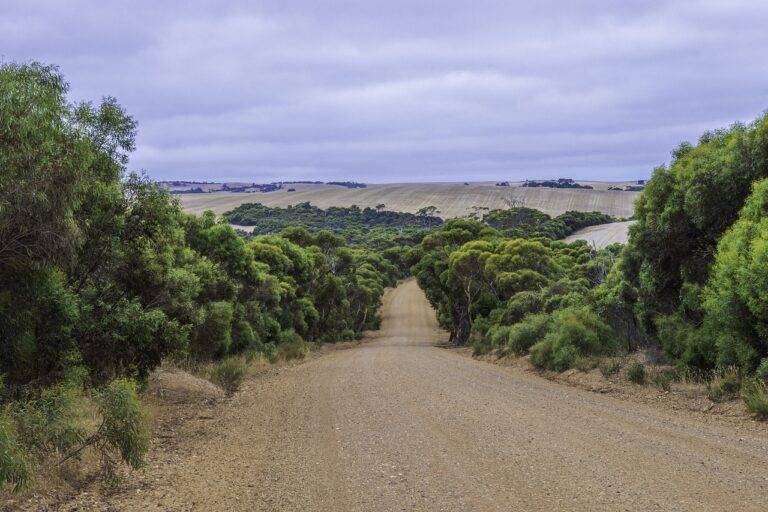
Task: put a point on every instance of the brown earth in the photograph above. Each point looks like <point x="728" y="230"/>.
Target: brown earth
<point x="400" y="424"/>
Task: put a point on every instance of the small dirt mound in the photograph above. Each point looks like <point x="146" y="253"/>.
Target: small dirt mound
<point x="172" y="385"/>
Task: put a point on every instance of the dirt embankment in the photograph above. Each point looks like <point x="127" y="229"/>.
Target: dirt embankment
<point x="399" y="424"/>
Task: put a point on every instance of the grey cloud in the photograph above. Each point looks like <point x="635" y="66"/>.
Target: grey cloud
<point x="399" y="90"/>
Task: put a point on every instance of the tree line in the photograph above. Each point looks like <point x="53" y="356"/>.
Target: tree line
<point x="102" y="276"/>
<point x="692" y="279"/>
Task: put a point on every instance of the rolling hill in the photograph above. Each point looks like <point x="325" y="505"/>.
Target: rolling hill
<point x="451" y="199"/>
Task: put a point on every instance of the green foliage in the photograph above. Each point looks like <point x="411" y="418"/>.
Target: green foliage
<point x="268" y="220"/>
<point x="229" y="373"/>
<point x="636" y="373"/>
<point x="736" y="296"/>
<point x="291" y="346"/>
<point x="681" y="215"/>
<point x="520" y="337"/>
<point x="574" y="332"/>
<point x="724" y="386"/>
<point x="14" y="467"/>
<point x="51" y="422"/>
<point x="663" y="379"/>
<point x="762" y="369"/>
<point x="124" y="425"/>
<point x="755" y="395"/>
<point x="213" y="336"/>
<point x="609" y="367"/>
<point x="523" y="222"/>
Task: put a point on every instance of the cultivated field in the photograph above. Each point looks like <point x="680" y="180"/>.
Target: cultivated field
<point x="452" y="199"/>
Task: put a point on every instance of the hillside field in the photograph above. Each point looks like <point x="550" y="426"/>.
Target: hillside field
<point x="451" y="199"/>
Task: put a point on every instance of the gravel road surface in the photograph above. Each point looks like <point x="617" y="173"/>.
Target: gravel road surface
<point x="397" y="424"/>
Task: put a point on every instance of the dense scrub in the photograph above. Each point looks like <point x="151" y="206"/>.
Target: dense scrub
<point x="526" y="222"/>
<point x="487" y="285"/>
<point x="102" y="276"/>
<point x="694" y="255"/>
<point x="692" y="280"/>
<point x="266" y="220"/>
<point x="558" y="183"/>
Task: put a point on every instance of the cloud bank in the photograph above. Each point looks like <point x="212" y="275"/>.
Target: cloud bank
<point x="401" y="90"/>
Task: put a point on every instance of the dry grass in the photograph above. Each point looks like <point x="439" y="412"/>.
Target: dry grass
<point x="452" y="199"/>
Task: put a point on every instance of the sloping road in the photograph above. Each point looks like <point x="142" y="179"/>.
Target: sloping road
<point x="397" y="424"/>
<point x="602" y="235"/>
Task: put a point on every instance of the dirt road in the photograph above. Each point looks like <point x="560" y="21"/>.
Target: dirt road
<point x="398" y="424"/>
<point x="603" y="235"/>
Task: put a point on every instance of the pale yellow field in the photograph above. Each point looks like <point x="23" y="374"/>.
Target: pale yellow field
<point x="451" y="199"/>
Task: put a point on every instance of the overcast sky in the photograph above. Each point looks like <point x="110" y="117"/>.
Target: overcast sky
<point x="402" y="90"/>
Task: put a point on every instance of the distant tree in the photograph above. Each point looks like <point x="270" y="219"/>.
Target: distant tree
<point x="428" y="211"/>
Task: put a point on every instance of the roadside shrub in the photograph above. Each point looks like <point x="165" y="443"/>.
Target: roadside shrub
<point x="725" y="386"/>
<point x="609" y="367"/>
<point x="124" y="426"/>
<point x="213" y="336"/>
<point x="229" y="373"/>
<point x="663" y="379"/>
<point x="270" y="352"/>
<point x="14" y="469"/>
<point x="762" y="369"/>
<point x="585" y="364"/>
<point x="522" y="336"/>
<point x="575" y="332"/>
<point x="50" y="422"/>
<point x="292" y="346"/>
<point x="755" y="395"/>
<point x="636" y="373"/>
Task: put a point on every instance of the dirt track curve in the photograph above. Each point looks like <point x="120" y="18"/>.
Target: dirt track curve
<point x="398" y="424"/>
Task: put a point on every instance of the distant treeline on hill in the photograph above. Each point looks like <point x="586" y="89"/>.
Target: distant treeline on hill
<point x="348" y="184"/>
<point x="526" y="222"/>
<point x="559" y="183"/>
<point x="252" y="187"/>
<point x="272" y="220"/>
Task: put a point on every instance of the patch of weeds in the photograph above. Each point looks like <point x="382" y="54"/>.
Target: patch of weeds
<point x="609" y="367"/>
<point x="270" y="352"/>
<point x="636" y="373"/>
<point x="585" y="364"/>
<point x="229" y="373"/>
<point x="755" y="395"/>
<point x="725" y="386"/>
<point x="663" y="379"/>
<point x="14" y="468"/>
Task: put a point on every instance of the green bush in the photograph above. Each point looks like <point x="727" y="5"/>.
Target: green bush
<point x="292" y="346"/>
<point x="575" y="332"/>
<point x="522" y="336"/>
<point x="50" y="422"/>
<point x="762" y="369"/>
<point x="14" y="468"/>
<point x="636" y="373"/>
<point x="270" y="352"/>
<point x="213" y="336"/>
<point x="663" y="379"/>
<point x="725" y="386"/>
<point x="735" y="299"/>
<point x="609" y="367"/>
<point x="229" y="373"/>
<point x="124" y="426"/>
<point x="755" y="395"/>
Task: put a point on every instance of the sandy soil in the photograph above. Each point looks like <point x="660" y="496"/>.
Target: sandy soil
<point x="400" y="424"/>
<point x="602" y="235"/>
<point x="452" y="199"/>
